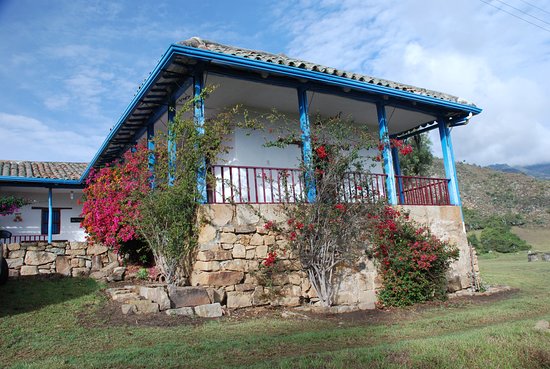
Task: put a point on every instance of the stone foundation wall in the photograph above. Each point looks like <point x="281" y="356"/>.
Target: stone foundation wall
<point x="233" y="244"/>
<point x="66" y="258"/>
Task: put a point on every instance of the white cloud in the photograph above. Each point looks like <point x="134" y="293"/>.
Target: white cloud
<point x="27" y="138"/>
<point x="466" y="49"/>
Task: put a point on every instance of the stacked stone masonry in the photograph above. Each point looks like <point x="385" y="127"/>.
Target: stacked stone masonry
<point x="76" y="259"/>
<point x="233" y="244"/>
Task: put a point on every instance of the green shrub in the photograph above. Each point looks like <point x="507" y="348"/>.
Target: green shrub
<point x="501" y="239"/>
<point x="142" y="274"/>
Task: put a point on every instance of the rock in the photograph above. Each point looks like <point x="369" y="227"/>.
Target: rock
<point x="230" y="238"/>
<point x="216" y="294"/>
<point x="12" y="273"/>
<point x="36" y="248"/>
<point x="546" y="256"/>
<point x="542" y="325"/>
<point x="245" y="228"/>
<point x="125" y="296"/>
<point x="77" y="252"/>
<point x="109" y="268"/>
<point x="262" y="230"/>
<point x="187" y="296"/>
<point x="207" y="266"/>
<point x="128" y="309"/>
<point x="239" y="251"/>
<point x="239" y="265"/>
<point x="228" y="229"/>
<point x="532" y="256"/>
<point x="28" y="270"/>
<point x="269" y="240"/>
<point x="80" y="272"/>
<point x="96" y="250"/>
<point x="145" y="306"/>
<point x="14" y="263"/>
<point x="257" y="240"/>
<point x="75" y="245"/>
<point x="217" y="214"/>
<point x="63" y="265"/>
<point x="17" y="254"/>
<point x="97" y="263"/>
<point x="219" y="279"/>
<point x="211" y="255"/>
<point x="261" y="252"/>
<point x="209" y="310"/>
<point x="207" y="233"/>
<point x="14" y="246"/>
<point x="156" y="294"/>
<point x="39" y="257"/>
<point x="118" y="274"/>
<point x="244" y="287"/>
<point x="453" y="284"/>
<point x="98" y="275"/>
<point x="250" y="254"/>
<point x="239" y="299"/>
<point x="56" y="250"/>
<point x="185" y="311"/>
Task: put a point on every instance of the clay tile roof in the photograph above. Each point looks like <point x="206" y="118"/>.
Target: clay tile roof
<point x="41" y="169"/>
<point x="282" y="59"/>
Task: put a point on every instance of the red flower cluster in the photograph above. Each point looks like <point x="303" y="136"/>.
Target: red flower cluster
<point x="321" y="152"/>
<point x="270" y="259"/>
<point x="269" y="225"/>
<point x="340" y="207"/>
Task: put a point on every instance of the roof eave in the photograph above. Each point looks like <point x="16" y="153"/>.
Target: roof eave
<point x="263" y="66"/>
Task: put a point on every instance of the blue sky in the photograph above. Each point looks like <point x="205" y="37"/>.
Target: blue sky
<point x="69" y="68"/>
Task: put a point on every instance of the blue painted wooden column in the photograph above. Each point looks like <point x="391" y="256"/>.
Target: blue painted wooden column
<point x="307" y="153"/>
<point x="151" y="148"/>
<point x="386" y="154"/>
<point x="50" y="215"/>
<point x="198" y="114"/>
<point x="449" y="161"/>
<point x="397" y="169"/>
<point x="171" y="143"/>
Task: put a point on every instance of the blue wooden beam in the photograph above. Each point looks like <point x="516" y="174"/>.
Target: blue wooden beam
<point x="50" y="215"/>
<point x="151" y="148"/>
<point x="307" y="151"/>
<point x="386" y="154"/>
<point x="449" y="161"/>
<point x="397" y="170"/>
<point x="198" y="115"/>
<point x="171" y="143"/>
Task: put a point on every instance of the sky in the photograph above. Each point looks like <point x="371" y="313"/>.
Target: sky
<point x="68" y="69"/>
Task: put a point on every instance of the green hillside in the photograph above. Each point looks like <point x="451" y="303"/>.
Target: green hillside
<point x="492" y="192"/>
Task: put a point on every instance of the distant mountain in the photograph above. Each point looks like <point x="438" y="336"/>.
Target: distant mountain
<point x="496" y="192"/>
<point x="541" y="171"/>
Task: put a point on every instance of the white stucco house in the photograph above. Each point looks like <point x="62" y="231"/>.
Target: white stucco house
<point x="260" y="81"/>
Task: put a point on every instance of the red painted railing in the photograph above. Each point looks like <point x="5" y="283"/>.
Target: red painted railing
<point x="357" y="186"/>
<point x="258" y="185"/>
<point x="422" y="190"/>
<point x="24" y="238"/>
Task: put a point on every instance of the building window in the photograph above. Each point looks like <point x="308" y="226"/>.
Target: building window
<point x="56" y="221"/>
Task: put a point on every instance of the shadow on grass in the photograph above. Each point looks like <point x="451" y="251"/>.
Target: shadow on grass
<point x="32" y="293"/>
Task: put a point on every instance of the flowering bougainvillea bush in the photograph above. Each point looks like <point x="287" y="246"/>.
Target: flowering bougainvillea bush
<point x="10" y="204"/>
<point x="411" y="261"/>
<point x="345" y="223"/>
<point x="112" y="198"/>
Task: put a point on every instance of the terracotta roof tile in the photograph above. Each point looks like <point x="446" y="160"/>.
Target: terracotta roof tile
<point x="199" y="43"/>
<point x="41" y="169"/>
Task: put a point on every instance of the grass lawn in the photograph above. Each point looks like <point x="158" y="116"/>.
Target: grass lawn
<point x="58" y="323"/>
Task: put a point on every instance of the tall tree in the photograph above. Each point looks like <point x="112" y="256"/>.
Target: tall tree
<point x="419" y="162"/>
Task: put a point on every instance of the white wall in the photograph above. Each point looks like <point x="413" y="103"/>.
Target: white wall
<point x="31" y="218"/>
